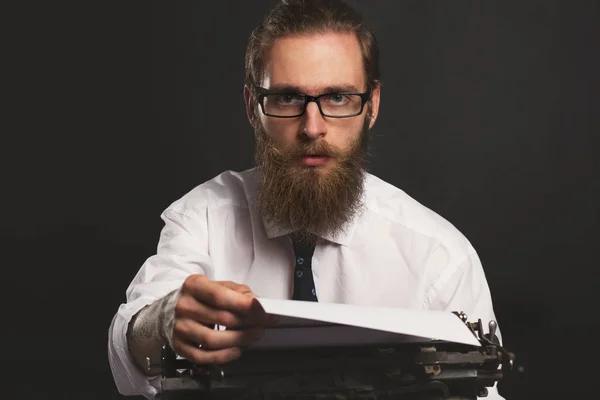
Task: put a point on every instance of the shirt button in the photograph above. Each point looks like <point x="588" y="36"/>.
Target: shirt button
<point x="314" y="293"/>
<point x="299" y="274"/>
<point x="300" y="260"/>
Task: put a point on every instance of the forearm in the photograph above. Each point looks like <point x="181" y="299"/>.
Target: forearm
<point x="149" y="330"/>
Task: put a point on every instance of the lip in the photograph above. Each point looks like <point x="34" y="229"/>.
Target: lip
<point x="314" y="160"/>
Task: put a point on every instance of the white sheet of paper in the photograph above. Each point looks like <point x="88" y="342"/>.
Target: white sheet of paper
<point x="416" y="323"/>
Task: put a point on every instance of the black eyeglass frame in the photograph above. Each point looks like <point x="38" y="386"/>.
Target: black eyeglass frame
<point x="262" y="92"/>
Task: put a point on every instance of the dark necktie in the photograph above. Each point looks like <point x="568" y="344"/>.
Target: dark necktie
<point x="304" y="284"/>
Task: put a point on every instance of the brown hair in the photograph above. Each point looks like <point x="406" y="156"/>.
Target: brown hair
<point x="293" y="17"/>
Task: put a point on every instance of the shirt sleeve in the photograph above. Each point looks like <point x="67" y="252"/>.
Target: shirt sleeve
<point x="464" y="288"/>
<point x="182" y="251"/>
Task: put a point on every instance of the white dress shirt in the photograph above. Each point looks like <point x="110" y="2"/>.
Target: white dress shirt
<point x="396" y="253"/>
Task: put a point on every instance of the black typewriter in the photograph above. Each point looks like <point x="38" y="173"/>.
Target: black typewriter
<point x="414" y="370"/>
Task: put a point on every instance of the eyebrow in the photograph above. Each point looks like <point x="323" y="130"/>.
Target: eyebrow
<point x="344" y="88"/>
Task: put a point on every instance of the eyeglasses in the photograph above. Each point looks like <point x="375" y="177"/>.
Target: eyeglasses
<point x="291" y="105"/>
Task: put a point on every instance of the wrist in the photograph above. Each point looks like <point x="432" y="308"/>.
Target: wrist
<point x="166" y="317"/>
<point x="149" y="330"/>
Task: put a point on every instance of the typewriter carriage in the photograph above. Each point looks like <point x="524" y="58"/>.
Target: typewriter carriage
<point x="433" y="370"/>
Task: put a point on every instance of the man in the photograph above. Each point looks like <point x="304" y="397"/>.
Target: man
<point x="307" y="223"/>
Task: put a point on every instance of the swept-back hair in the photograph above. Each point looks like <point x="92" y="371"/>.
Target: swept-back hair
<point x="294" y="17"/>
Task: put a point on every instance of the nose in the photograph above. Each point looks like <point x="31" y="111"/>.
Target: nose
<point x="314" y="122"/>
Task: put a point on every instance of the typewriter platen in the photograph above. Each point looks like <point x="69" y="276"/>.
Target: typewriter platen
<point x="417" y="371"/>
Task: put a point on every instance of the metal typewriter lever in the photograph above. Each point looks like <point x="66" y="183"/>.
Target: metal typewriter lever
<point x="505" y="358"/>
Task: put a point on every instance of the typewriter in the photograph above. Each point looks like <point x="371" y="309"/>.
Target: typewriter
<point x="412" y="370"/>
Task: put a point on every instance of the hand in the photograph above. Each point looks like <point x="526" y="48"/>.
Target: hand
<point x="204" y="303"/>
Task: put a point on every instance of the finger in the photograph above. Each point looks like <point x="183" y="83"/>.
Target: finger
<point x="202" y="357"/>
<point x="256" y="316"/>
<point x="188" y="307"/>
<point x="242" y="289"/>
<point x="190" y="331"/>
<point x="216" y="295"/>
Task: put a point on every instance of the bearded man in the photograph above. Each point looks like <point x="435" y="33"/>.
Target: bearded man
<point x="307" y="223"/>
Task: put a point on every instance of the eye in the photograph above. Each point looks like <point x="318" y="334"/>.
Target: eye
<point x="289" y="99"/>
<point x="337" y="99"/>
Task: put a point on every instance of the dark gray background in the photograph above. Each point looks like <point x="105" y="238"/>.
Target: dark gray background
<point x="489" y="116"/>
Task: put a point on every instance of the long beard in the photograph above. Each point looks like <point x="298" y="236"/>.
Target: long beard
<point x="304" y="199"/>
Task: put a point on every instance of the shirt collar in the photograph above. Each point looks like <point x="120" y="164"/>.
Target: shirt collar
<point x="342" y="237"/>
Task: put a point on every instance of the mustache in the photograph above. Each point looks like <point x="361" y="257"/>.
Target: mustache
<point x="320" y="148"/>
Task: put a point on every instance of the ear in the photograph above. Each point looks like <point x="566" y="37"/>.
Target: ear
<point x="375" y="100"/>
<point x="250" y="106"/>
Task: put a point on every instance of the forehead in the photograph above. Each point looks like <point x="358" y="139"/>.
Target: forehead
<point x="315" y="61"/>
